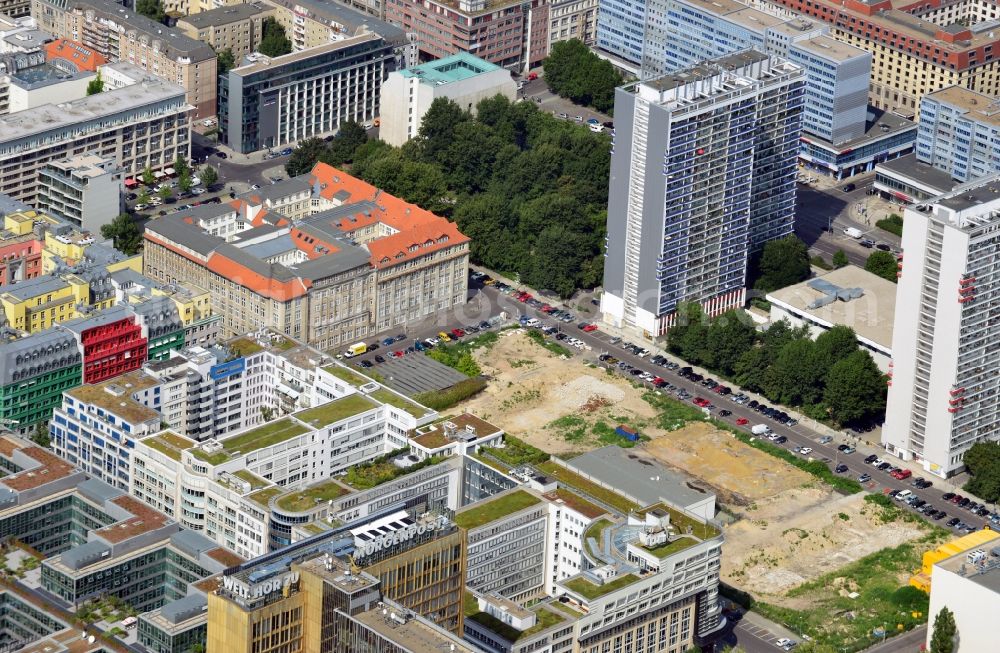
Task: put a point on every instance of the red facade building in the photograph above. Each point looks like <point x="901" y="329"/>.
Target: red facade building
<point x="111" y="341"/>
<point x="20" y="259"/>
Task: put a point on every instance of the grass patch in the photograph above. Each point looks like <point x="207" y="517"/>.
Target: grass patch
<point x="893" y="224"/>
<point x="244" y="346"/>
<point x="264" y="436"/>
<point x="685" y="524"/>
<point x="489" y="462"/>
<point x="671" y="548"/>
<point x="571" y="428"/>
<point x="539" y="339"/>
<point x="846" y="624"/>
<point x="673" y="414"/>
<point x="588" y="488"/>
<point x="382" y="470"/>
<point x="820" y="262"/>
<point x="517" y="452"/>
<point x="606" y="434"/>
<point x="310" y="497"/>
<point x="546" y="619"/>
<point x="589" y="591"/>
<point x="394" y="400"/>
<point x="215" y="458"/>
<point x="263" y="497"/>
<point x="256" y="482"/>
<point x="458" y="356"/>
<point x="444" y="399"/>
<point x="490" y="511"/>
<point x="565" y="609"/>
<point x="169" y="444"/>
<point x="346" y="375"/>
<point x="336" y="410"/>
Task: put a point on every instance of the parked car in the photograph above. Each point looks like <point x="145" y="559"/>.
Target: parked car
<point x="840" y="469"/>
<point x="864" y="478"/>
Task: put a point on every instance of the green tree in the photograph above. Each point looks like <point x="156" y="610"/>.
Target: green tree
<point x="687" y="338"/>
<point x="41" y="435"/>
<point x="341" y="149"/>
<point x="796" y="377"/>
<point x="836" y="343"/>
<point x="209" y="177"/>
<point x="854" y="388"/>
<point x="574" y="72"/>
<point x="437" y="129"/>
<point x="467" y="365"/>
<point x="730" y="336"/>
<point x="124" y="232"/>
<point x="943" y="636"/>
<point x="181" y="166"/>
<point x="982" y="461"/>
<point x="148" y="177"/>
<point x="226" y="61"/>
<point x="883" y="264"/>
<point x="95" y="85"/>
<point x="143" y="197"/>
<point x="751" y="369"/>
<point x="165" y="192"/>
<point x="783" y="262"/>
<point x="305" y="156"/>
<point x="151" y="9"/>
<point x="840" y="259"/>
<point x="267" y="413"/>
<point x="274" y="42"/>
<point x="184" y="182"/>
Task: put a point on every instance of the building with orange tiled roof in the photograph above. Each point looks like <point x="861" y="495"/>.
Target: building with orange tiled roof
<point x="325" y="258"/>
<point x="79" y="55"/>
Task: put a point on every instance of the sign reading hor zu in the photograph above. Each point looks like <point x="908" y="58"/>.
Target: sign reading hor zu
<point x="256" y="590"/>
<point x="388" y="540"/>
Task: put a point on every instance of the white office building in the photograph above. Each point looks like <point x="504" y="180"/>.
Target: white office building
<point x="702" y="174"/>
<point x="946" y="337"/>
<point x="968" y="584"/>
<point x="86" y="190"/>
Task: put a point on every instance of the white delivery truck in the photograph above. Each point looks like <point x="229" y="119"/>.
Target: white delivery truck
<point x="760" y="429"/>
<point x="853" y="232"/>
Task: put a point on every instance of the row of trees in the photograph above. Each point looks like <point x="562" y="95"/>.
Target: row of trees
<point x="830" y="377"/>
<point x="338" y="151"/>
<point x="982" y="460"/>
<point x="529" y="189"/>
<point x="574" y="72"/>
<point x="274" y="41"/>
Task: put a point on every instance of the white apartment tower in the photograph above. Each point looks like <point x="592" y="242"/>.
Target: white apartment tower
<point x="702" y="174"/>
<point x="943" y="396"/>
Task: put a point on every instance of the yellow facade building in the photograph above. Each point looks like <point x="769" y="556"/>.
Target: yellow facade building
<point x="984" y="538"/>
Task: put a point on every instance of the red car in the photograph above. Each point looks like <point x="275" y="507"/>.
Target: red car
<point x="545" y="308"/>
<point x="399" y="353"/>
<point x="699" y="401"/>
<point x="532" y="77"/>
<point x="902" y="474"/>
<point x="590" y="327"/>
<point x="458" y="333"/>
<point x="742" y="421"/>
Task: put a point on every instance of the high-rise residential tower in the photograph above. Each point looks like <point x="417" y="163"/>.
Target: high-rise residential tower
<point x="946" y="338"/>
<point x="702" y="174"/>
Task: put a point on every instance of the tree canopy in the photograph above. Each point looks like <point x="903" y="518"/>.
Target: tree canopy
<point x="830" y="377"/>
<point x="274" y="42"/>
<point x="574" y="72"/>
<point x="124" y="232"/>
<point x="226" y="61"/>
<point x="95" y="85"/>
<point x="782" y="263"/>
<point x="151" y="9"/>
<point x="943" y="637"/>
<point x="337" y="152"/>
<point x="982" y="461"/>
<point x="883" y="264"/>
<point x="209" y="176"/>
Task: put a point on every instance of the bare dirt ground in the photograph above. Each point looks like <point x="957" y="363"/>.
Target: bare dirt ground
<point x="532" y="388"/>
<point x="801" y="534"/>
<point x="739" y="473"/>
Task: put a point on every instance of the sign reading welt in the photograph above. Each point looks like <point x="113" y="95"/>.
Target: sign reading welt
<point x="257" y="590"/>
<point x="364" y="549"/>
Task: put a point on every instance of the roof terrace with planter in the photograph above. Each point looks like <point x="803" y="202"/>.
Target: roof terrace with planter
<point x="460" y="435"/>
<point x="491" y="616"/>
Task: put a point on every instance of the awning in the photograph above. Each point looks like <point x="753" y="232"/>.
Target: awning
<point x="169" y="171"/>
<point x="285" y="390"/>
<point x="159" y="174"/>
<point x="131" y="183"/>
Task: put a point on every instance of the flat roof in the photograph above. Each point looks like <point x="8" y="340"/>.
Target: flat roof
<point x="490" y="510"/>
<point x="313" y="496"/>
<point x="169" y="444"/>
<point x="704" y="70"/>
<point x="977" y="106"/>
<point x="640" y="476"/>
<point x="871" y="315"/>
<point x="263" y="436"/>
<point x="415" y="636"/>
<point x="967" y="196"/>
<point x="986" y="575"/>
<point x="336" y="410"/>
<point x="115" y="396"/>
<point x="879" y="125"/>
<point x="259" y="62"/>
<point x="224" y="15"/>
<point x="51" y="117"/>
<point x="456" y="68"/>
<point x="830" y="48"/>
<point x="910" y="168"/>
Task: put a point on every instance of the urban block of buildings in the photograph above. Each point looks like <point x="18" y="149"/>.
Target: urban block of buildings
<point x="120" y="34"/>
<point x="462" y="78"/>
<point x="234" y="27"/>
<point x="702" y="174"/>
<point x="324" y="258"/>
<point x="849" y="296"/>
<point x="86" y="190"/>
<point x="268" y="102"/>
<point x="942" y="393"/>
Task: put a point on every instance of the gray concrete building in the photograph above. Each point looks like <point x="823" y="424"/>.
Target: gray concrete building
<point x="86" y="190"/>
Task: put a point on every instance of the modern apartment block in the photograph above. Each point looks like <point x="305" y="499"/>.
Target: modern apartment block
<point x="462" y="78"/>
<point x="86" y="190"/>
<point x="139" y="126"/>
<point x="702" y="174"/>
<point x="112" y="342"/>
<point x="362" y="262"/>
<point x="916" y="46"/>
<point x="942" y="397"/>
<point x="235" y="27"/>
<point x="508" y="33"/>
<point x="270" y="102"/>
<point x="960" y="133"/>
<point x="120" y="34"/>
<point x="621" y="28"/>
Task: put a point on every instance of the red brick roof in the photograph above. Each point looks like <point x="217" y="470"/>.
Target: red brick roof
<point x="84" y="58"/>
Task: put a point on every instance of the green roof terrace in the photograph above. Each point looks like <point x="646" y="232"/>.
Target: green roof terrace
<point x="545" y="619"/>
<point x="312" y="496"/>
<point x="263" y="497"/>
<point x="263" y="436"/>
<point x="256" y="482"/>
<point x="169" y="444"/>
<point x="584" y="587"/>
<point x="683" y="523"/>
<point x="347" y="375"/>
<point x="244" y="346"/>
<point x="336" y="410"/>
<point x="494" y="509"/>
<point x="389" y="397"/>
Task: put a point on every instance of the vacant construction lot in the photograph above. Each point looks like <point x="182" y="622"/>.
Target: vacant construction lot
<point x="554" y="403"/>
